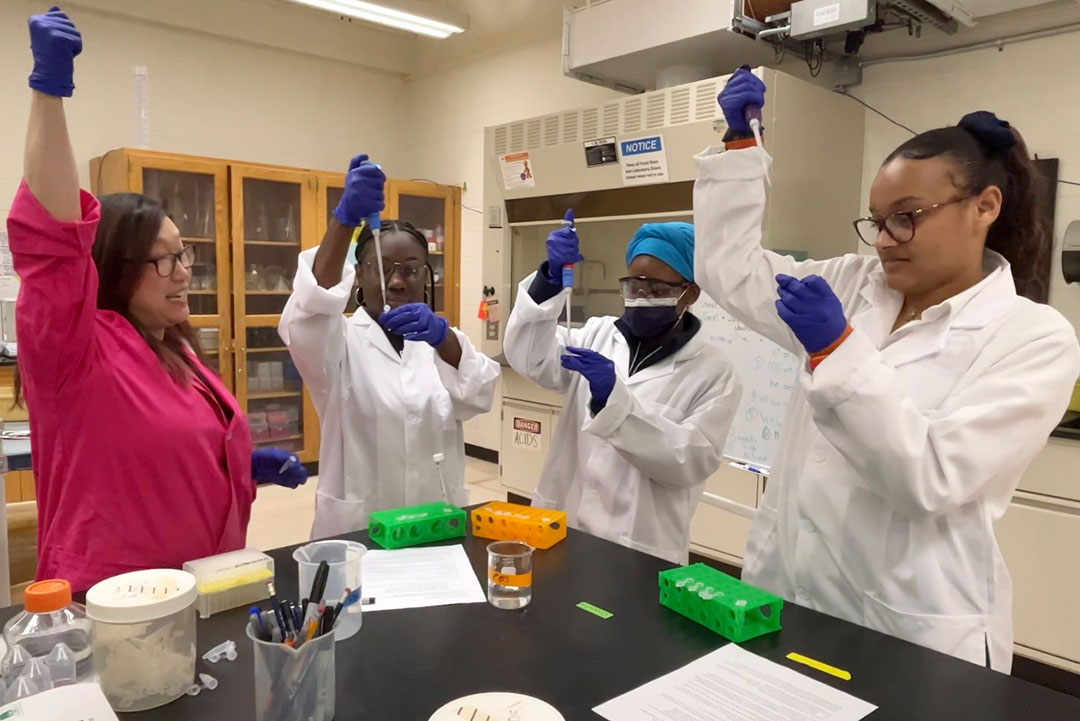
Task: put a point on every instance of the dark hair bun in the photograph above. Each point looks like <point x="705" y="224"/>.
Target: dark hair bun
<point x="992" y="133"/>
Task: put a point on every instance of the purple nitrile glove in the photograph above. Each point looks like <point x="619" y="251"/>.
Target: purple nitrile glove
<point x="54" y="43"/>
<point x="743" y="90"/>
<point x="363" y="194"/>
<point x="597" y="369"/>
<point x="274" y="465"/>
<point x="811" y="310"/>
<point x="416" y="322"/>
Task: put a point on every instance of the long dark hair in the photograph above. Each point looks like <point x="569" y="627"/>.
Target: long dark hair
<point x="396" y="226"/>
<point x="129" y="225"/>
<point x="1021" y="232"/>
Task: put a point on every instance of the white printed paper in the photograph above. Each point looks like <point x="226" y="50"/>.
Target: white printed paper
<point x="9" y="282"/>
<point x="420" y="577"/>
<point x="77" y="702"/>
<point x="643" y="160"/>
<point x="826" y="14"/>
<point x="734" y="684"/>
<point x="517" y="171"/>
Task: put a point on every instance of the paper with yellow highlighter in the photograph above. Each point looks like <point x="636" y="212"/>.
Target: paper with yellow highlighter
<point x="731" y="683"/>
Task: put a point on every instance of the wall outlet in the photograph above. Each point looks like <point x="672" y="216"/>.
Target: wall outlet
<point x="492" y="331"/>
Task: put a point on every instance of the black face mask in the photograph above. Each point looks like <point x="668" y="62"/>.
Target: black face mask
<point x="647" y="320"/>
<point x="650" y="322"/>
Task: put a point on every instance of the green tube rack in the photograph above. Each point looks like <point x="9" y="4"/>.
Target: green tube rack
<point x="413" y="525"/>
<point x="727" y="606"/>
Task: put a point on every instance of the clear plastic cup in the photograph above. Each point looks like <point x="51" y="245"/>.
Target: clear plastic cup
<point x="294" y="683"/>
<point x="509" y="574"/>
<point x="345" y="559"/>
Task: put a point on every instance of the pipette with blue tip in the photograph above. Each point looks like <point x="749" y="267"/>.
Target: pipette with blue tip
<point x="374" y="223"/>
<point x="568" y="268"/>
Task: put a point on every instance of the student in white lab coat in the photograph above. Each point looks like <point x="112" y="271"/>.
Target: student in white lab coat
<point x="392" y="389"/>
<point x="931" y="380"/>
<point x="648" y="400"/>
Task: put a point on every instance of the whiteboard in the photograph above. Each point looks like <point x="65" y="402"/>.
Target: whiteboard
<point x="767" y="372"/>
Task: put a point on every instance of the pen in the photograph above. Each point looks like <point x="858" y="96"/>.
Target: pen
<point x="318" y="585"/>
<point x="259" y="625"/>
<point x="279" y="616"/>
<point x="748" y="467"/>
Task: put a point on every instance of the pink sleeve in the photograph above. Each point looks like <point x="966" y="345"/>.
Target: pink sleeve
<point x="57" y="301"/>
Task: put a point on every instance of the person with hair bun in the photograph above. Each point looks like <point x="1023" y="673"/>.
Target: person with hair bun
<point x="392" y="389"/>
<point x="932" y="377"/>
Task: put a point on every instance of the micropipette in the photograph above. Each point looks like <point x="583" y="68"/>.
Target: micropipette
<point x="374" y="223"/>
<point x="568" y="269"/>
<point x="438" y="458"/>
<point x="752" y="113"/>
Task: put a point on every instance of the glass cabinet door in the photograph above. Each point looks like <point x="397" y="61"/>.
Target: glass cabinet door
<point x="270" y="228"/>
<point x="194" y="194"/>
<point x="273" y="390"/>
<point x="434" y="210"/>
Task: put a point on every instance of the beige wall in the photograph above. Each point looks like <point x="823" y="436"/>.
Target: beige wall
<point x="448" y="112"/>
<point x="1033" y="85"/>
<point x="207" y="96"/>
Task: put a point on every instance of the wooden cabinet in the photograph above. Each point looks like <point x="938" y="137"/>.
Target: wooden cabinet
<point x="249" y="222"/>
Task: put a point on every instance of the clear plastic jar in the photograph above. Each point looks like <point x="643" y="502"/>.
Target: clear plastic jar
<point x="49" y="619"/>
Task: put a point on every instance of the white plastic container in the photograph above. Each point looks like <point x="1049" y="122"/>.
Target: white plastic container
<point x="144" y="637"/>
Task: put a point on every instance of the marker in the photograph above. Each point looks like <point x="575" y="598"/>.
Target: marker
<point x="823" y="667"/>
<point x="254" y="611"/>
<point x="747" y="467"/>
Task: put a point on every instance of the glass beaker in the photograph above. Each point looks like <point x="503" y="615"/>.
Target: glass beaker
<point x="509" y="574"/>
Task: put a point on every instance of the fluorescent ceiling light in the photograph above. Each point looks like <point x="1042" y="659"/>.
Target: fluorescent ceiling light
<point x="413" y="17"/>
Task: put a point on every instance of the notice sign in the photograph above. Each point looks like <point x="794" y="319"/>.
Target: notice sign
<point x="601" y="152"/>
<point x="527" y="434"/>
<point x="643" y="160"/>
<point x="517" y="171"/>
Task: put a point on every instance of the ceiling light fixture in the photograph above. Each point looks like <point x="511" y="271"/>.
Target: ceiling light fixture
<point x="409" y="15"/>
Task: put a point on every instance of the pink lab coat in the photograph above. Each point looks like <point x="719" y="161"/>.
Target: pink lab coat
<point x="133" y="470"/>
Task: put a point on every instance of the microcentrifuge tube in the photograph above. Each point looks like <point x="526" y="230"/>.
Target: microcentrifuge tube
<point x="193" y="689"/>
<point x="683" y="581"/>
<point x="208" y="681"/>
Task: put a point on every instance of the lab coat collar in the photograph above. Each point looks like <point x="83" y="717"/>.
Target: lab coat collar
<point x="664" y="368"/>
<point x="376" y="336"/>
<point x="972" y="309"/>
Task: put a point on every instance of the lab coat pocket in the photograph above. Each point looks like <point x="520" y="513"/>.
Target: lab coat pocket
<point x="962" y="636"/>
<point x="334" y="516"/>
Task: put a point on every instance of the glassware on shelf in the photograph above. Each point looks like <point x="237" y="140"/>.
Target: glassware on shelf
<point x="440" y="238"/>
<point x="253" y="279"/>
<point x="262" y="224"/>
<point x="290" y="226"/>
<point x="272" y="276"/>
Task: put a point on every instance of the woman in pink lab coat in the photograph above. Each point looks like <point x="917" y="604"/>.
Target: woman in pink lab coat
<point x="142" y="458"/>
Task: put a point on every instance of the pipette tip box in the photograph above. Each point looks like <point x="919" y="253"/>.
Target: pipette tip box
<point x="735" y="610"/>
<point x="501" y="521"/>
<point x="414" y="525"/>
<point x="230" y="580"/>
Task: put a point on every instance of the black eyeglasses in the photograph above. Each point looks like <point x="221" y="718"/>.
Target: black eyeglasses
<point x="640" y="286"/>
<point x="166" y="264"/>
<point x="410" y="269"/>
<point x="899" y="225"/>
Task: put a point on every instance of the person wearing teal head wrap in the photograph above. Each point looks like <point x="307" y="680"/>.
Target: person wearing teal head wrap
<point x="648" y="400"/>
<point x="672" y="243"/>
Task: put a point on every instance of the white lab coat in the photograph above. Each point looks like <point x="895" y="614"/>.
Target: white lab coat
<point x="901" y="449"/>
<point x="633" y="473"/>
<point x="383" y="415"/>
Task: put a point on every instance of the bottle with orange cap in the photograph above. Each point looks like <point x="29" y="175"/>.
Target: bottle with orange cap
<point x="55" y="630"/>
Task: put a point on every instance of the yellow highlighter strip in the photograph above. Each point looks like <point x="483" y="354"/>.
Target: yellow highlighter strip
<point x="823" y="667"/>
